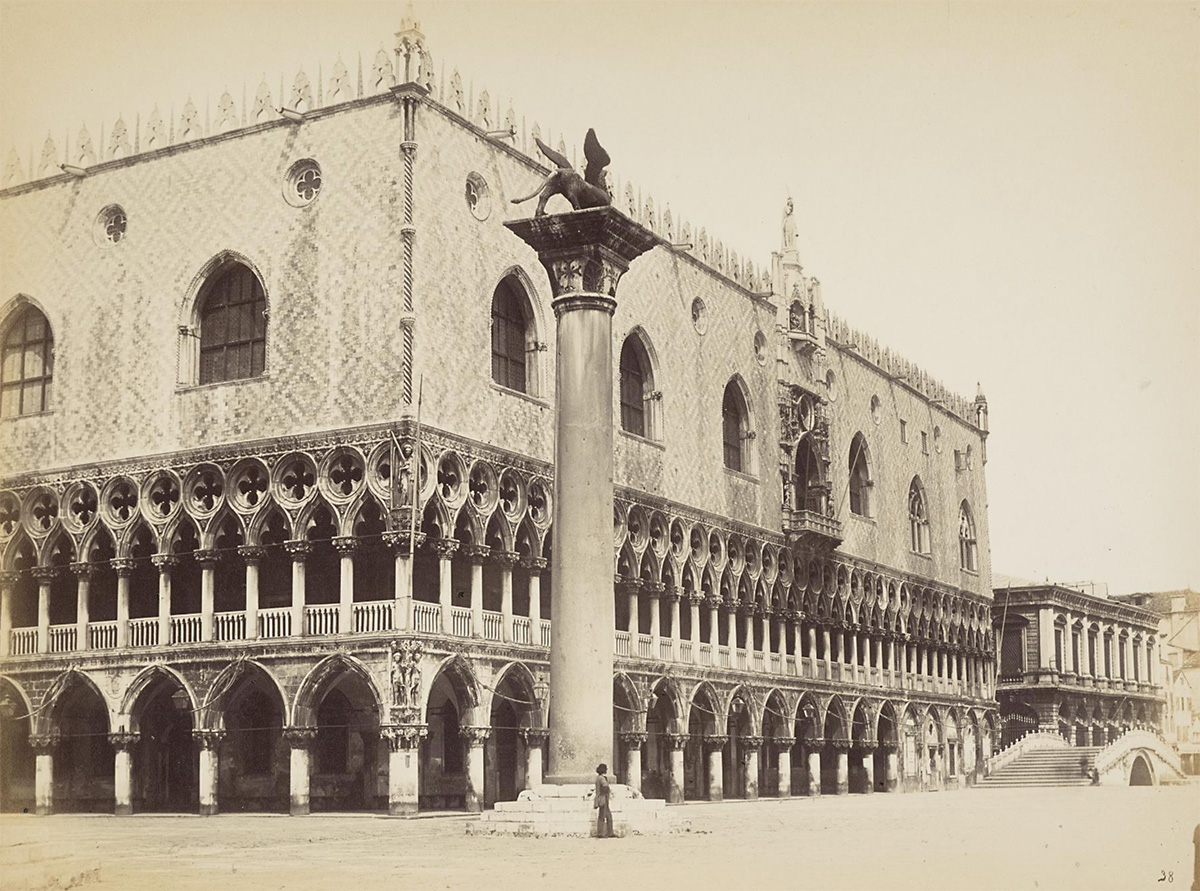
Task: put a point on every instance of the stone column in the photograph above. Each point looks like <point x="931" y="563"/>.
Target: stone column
<point x="783" y="763"/>
<point x="534" y="738"/>
<point x="812" y="649"/>
<point x="165" y="563"/>
<point x="631" y="591"/>
<point x="672" y="595"/>
<point x="123" y="743"/>
<point x="535" y="567"/>
<point x="716" y="782"/>
<point x="853" y="661"/>
<point x="1045" y="630"/>
<point x="346" y="546"/>
<point x="694" y="600"/>
<point x="893" y="766"/>
<point x="477" y="555"/>
<point x="714" y="627"/>
<point x="843" y="765"/>
<point x="44" y="575"/>
<point x="676" y="741"/>
<point x="208" y="562"/>
<point x="868" y="748"/>
<point x="778" y="619"/>
<point x="8" y="581"/>
<point x="827" y="639"/>
<point x="83" y="580"/>
<point x="506" y="560"/>
<point x="445" y="548"/>
<point x="764" y="624"/>
<point x="399" y="542"/>
<point x="633" y="740"/>
<point x="584" y="253"/>
<point x="404" y="781"/>
<point x="654" y="591"/>
<point x="814" y="765"/>
<point x="123" y="568"/>
<point x="298" y="550"/>
<point x="751" y="746"/>
<point x="300" y="740"/>
<point x="209" y="741"/>
<point x="43" y="745"/>
<point x="731" y="624"/>
<point x="475" y="737"/>
<point x="251" y="556"/>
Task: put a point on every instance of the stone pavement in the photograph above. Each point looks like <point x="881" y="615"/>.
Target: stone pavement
<point x="1084" y="838"/>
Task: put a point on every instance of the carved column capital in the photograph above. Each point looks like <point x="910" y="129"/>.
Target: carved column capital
<point x="404" y="737"/>
<point x="300" y="737"/>
<point x="299" y="549"/>
<point x="784" y="743"/>
<point x="672" y="594"/>
<point x="165" y="562"/>
<point x="535" y="736"/>
<point x="654" y="589"/>
<point x="842" y="745"/>
<point x="476" y="554"/>
<point x="506" y="559"/>
<point x="868" y="745"/>
<point x="714" y="742"/>
<point x="208" y="740"/>
<point x="83" y="570"/>
<point x="815" y="742"/>
<point x="252" y="553"/>
<point x="123" y="740"/>
<point x="44" y="743"/>
<point x="345" y="545"/>
<point x="752" y="742"/>
<point x="634" y="738"/>
<point x="628" y="586"/>
<point x="535" y="564"/>
<point x="695" y="598"/>
<point x="889" y="745"/>
<point x="474" y="735"/>
<point x="445" y="548"/>
<point x="399" y="541"/>
<point x="45" y="574"/>
<point x="123" y="566"/>
<point x="9" y="577"/>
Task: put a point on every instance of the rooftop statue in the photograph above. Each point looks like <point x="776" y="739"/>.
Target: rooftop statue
<point x="589" y="190"/>
<point x="789" y="228"/>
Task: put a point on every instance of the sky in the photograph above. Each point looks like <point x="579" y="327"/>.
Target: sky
<point x="1004" y="193"/>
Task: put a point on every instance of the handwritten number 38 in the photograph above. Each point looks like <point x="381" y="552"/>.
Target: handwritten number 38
<point x="1164" y="876"/>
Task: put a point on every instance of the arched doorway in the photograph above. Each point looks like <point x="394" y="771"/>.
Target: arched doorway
<point x="661" y="721"/>
<point x="733" y="762"/>
<point x="1139" y="772"/>
<point x="348" y="759"/>
<point x="83" y="760"/>
<point x="514" y="708"/>
<point x="254" y="767"/>
<point x="699" y="782"/>
<point x="449" y="711"/>
<point x="805" y="730"/>
<point x="860" y="739"/>
<point x="17" y="761"/>
<point x="833" y="780"/>
<point x="886" y="743"/>
<point x="165" y="760"/>
<point x="776" y="728"/>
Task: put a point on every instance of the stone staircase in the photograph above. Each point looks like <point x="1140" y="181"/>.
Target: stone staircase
<point x="1044" y="767"/>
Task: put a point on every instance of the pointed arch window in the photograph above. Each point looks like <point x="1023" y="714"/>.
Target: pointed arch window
<point x="232" y="318"/>
<point x="918" y="518"/>
<point x="27" y="368"/>
<point x="735" y="428"/>
<point x="860" y="477"/>
<point x="637" y="389"/>
<point x="967" y="548"/>
<point x="514" y="338"/>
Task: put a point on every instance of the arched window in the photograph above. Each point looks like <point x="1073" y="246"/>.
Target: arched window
<point x="637" y="389"/>
<point x="967" y="551"/>
<point x="810" y="494"/>
<point x="28" y="364"/>
<point x="233" y="326"/>
<point x="513" y="337"/>
<point x="860" y="477"/>
<point x="918" y="518"/>
<point x="735" y="428"/>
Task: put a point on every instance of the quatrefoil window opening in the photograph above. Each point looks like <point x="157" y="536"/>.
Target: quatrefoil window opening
<point x="163" y="496"/>
<point x="45" y="511"/>
<point x="123" y="501"/>
<point x="252" y="485"/>
<point x="207" y="491"/>
<point x="303" y="183"/>
<point x="345" y="473"/>
<point x="479" y="489"/>
<point x="83" y="505"/>
<point x="10" y="514"/>
<point x="111" y="225"/>
<point x="509" y="495"/>
<point x="297" y="480"/>
<point x="538" y="502"/>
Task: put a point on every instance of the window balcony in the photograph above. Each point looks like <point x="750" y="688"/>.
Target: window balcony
<point x="807" y="527"/>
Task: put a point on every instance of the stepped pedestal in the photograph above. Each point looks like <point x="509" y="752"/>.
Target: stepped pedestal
<point x="567" y="810"/>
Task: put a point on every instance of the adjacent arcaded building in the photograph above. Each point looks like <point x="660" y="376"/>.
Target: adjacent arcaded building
<point x="239" y="574"/>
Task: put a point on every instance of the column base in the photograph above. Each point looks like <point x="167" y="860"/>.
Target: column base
<point x="402" y="808"/>
<point x="123" y="810"/>
<point x="43" y="810"/>
<point x="566" y="809"/>
<point x="299" y="810"/>
<point x="209" y="810"/>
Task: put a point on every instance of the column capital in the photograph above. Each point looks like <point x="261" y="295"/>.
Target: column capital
<point x="300" y="737"/>
<point x="206" y="557"/>
<point x="695" y="598"/>
<point x="889" y="745"/>
<point x="45" y="574"/>
<point x="123" y="740"/>
<point x="475" y="735"/>
<point x="634" y="737"/>
<point x="399" y="541"/>
<point x="476" y="554"/>
<point x="868" y="745"/>
<point x="535" y="736"/>
<point x="445" y="548"/>
<point x="44" y="743"/>
<point x="165" y="562"/>
<point x="654" y="589"/>
<point x="298" y="548"/>
<point x="535" y="564"/>
<point x="714" y="742"/>
<point x="506" y="559"/>
<point x="208" y="739"/>
<point x="627" y="585"/>
<point x="83" y="570"/>
<point x="404" y="737"/>
<point x="752" y="742"/>
<point x="842" y="745"/>
<point x="672" y="593"/>
<point x="676" y="740"/>
<point x="123" y="566"/>
<point x="345" y="545"/>
<point x="743" y="609"/>
<point x="815" y="742"/>
<point x="252" y="553"/>
<point x="784" y="743"/>
<point x="9" y="577"/>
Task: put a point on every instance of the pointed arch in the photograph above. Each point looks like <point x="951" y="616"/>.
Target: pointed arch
<point x="640" y="401"/>
<point x="918" y="517"/>
<point x="146" y="679"/>
<point x="458" y="673"/>
<point x="499" y="535"/>
<point x="48" y="720"/>
<point x="225" y="684"/>
<point x="223" y="322"/>
<point x="223" y="523"/>
<point x="737" y="426"/>
<point x="318" y="681"/>
<point x="518" y="676"/>
<point x="968" y="549"/>
<point x="269" y="516"/>
<point x="667" y="689"/>
<point x="516" y="321"/>
<point x="861" y="479"/>
<point x="836" y="724"/>
<point x="27" y="373"/>
<point x="707" y="706"/>
<point x="365" y="510"/>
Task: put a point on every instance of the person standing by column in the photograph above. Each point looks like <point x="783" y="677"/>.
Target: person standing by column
<point x="604" y="821"/>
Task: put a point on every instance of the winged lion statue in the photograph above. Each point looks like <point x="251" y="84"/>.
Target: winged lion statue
<point x="589" y="190"/>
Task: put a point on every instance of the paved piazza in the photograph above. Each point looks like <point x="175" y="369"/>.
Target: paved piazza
<point x="1121" y="838"/>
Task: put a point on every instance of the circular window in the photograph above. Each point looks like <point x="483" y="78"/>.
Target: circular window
<point x="303" y="183"/>
<point x="875" y="414"/>
<point x="760" y="348"/>
<point x="699" y="316"/>
<point x="479" y="196"/>
<point x="831" y="385"/>
<point x="111" y="225"/>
